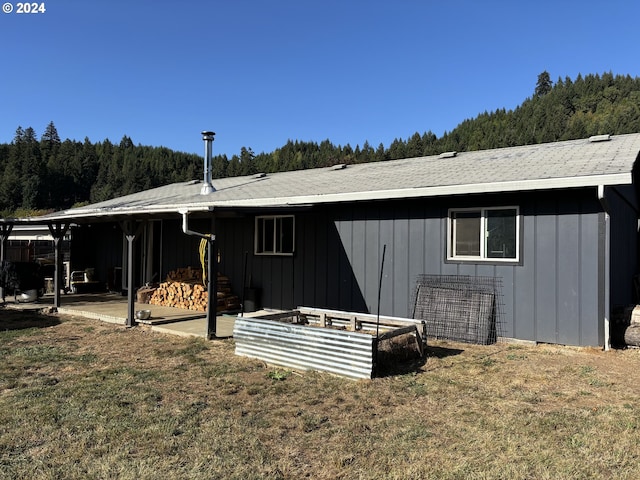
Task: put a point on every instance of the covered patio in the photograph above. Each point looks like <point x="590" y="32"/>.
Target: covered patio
<point x="113" y="308"/>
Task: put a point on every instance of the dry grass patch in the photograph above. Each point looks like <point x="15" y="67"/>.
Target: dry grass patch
<point x="85" y="399"/>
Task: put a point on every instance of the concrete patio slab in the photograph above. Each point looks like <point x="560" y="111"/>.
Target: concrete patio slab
<point x="112" y="307"/>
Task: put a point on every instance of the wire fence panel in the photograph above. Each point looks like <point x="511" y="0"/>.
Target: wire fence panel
<point x="460" y="307"/>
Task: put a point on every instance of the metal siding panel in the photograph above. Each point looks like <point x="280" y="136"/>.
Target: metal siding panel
<point x="466" y="269"/>
<point x="450" y="269"/>
<point x="624" y="238"/>
<point x="568" y="277"/>
<point x="306" y="256"/>
<point x="590" y="319"/>
<point x="373" y="250"/>
<point x="288" y="282"/>
<point x="386" y="238"/>
<point x="266" y="265"/>
<point x="507" y="275"/>
<point x="524" y="282"/>
<point x="242" y="245"/>
<point x="546" y="274"/>
<point x="344" y="226"/>
<point x="358" y="262"/>
<point x="416" y="250"/>
<point x="483" y="270"/>
<point x="228" y="241"/>
<point x="321" y="258"/>
<point x="334" y="248"/>
<point x="446" y="268"/>
<point x="435" y="229"/>
<point x="186" y="248"/>
<point x="401" y="262"/>
<point x="297" y="264"/>
<point x="252" y="261"/>
<point x="343" y="353"/>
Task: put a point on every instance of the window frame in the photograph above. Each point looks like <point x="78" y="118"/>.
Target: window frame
<point x="483" y="258"/>
<point x="276" y="244"/>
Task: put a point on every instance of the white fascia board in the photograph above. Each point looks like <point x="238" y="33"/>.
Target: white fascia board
<point x="422" y="192"/>
<point x="70" y="215"/>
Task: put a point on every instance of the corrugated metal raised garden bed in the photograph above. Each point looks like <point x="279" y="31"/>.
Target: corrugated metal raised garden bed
<point x="349" y="344"/>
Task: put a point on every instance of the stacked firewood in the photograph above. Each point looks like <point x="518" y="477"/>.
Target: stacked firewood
<point x="183" y="288"/>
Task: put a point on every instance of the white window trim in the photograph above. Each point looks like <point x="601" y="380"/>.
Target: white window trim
<point x="483" y="236"/>
<point x="273" y="253"/>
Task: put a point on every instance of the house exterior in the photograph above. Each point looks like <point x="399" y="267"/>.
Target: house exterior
<point x="557" y="223"/>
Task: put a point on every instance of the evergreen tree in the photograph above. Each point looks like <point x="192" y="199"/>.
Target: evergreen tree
<point x="544" y="84"/>
<point x="33" y="171"/>
<point x="247" y="164"/>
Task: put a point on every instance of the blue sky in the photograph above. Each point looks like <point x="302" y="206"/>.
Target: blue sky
<point x="259" y="73"/>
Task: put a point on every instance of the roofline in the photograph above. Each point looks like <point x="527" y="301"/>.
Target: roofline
<point x="440" y="191"/>
<point x="400" y="193"/>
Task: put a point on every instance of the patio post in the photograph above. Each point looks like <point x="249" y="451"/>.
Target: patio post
<point x="212" y="288"/>
<point x="131" y="232"/>
<point x="58" y="231"/>
<point x="5" y="231"/>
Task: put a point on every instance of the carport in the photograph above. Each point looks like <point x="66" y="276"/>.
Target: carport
<point x="131" y="226"/>
<point x="132" y="222"/>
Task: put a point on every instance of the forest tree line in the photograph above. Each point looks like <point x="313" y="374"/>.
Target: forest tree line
<point x="46" y="173"/>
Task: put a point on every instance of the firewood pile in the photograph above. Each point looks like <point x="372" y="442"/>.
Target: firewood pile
<point x="183" y="288"/>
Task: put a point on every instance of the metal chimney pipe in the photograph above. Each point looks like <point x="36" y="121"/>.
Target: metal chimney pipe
<point x="207" y="187"/>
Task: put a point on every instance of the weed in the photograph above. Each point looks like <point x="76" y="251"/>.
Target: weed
<point x="488" y="362"/>
<point x="278" y="374"/>
<point x="516" y="356"/>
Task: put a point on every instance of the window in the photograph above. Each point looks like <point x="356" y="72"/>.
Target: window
<point x="274" y="235"/>
<point x="490" y="234"/>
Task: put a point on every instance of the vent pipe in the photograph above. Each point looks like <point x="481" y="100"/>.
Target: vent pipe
<point x="207" y="187"/>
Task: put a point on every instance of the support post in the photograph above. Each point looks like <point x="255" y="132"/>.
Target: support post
<point x="212" y="288"/>
<point x="58" y="232"/>
<point x="5" y="231"/>
<point x="131" y="232"/>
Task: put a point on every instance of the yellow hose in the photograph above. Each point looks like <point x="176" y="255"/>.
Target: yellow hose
<point x="203" y="254"/>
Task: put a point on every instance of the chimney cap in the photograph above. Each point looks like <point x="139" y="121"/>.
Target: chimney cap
<point x="207" y="133"/>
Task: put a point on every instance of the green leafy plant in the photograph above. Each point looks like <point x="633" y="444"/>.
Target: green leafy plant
<point x="278" y="374"/>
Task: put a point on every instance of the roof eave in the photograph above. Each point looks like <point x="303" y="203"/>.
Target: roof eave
<point x="438" y="191"/>
<point x="78" y="215"/>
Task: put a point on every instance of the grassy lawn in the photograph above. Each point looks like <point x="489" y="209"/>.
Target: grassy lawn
<point x="84" y="399"/>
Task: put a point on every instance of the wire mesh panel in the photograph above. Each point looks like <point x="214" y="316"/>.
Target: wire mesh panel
<point x="459" y="307"/>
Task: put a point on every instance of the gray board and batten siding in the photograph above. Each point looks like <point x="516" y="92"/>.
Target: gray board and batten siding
<point x="551" y="295"/>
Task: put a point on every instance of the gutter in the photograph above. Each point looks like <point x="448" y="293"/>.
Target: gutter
<point x="607" y="266"/>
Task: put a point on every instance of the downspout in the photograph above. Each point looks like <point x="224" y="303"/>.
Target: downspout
<point x="185" y="226"/>
<point x="607" y="266"/>
<point x="212" y="290"/>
